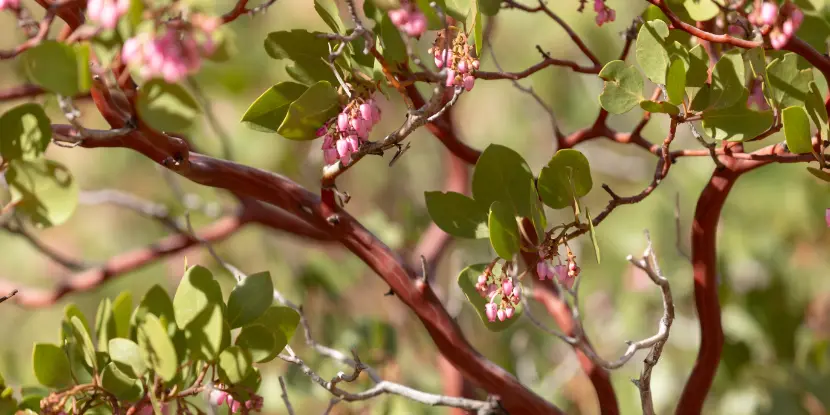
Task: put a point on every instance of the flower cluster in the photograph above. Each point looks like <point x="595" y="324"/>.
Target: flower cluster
<point x="491" y="287"/>
<point x="605" y="14"/>
<point x="565" y="274"/>
<point x="784" y="21"/>
<point x="9" y="4"/>
<point x="173" y="55"/>
<point x="107" y="12"/>
<point x="344" y="134"/>
<point x="409" y="19"/>
<point x="220" y="397"/>
<point x="458" y="60"/>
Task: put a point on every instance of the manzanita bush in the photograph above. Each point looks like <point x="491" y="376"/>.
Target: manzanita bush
<point x="733" y="72"/>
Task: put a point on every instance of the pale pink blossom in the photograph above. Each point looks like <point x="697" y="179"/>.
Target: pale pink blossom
<point x="508" y="312"/>
<point x="490" y="311"/>
<point x="769" y="13"/>
<point x="9" y="4"/>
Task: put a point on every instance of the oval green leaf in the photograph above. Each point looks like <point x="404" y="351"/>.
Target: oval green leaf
<point x="197" y="291"/>
<point x="204" y="333"/>
<point x="797" y="130"/>
<point x="122" y="308"/>
<point x="54" y="66"/>
<point x="126" y="353"/>
<point x="166" y="107"/>
<point x="250" y="298"/>
<point x="566" y="177"/>
<point x="652" y="53"/>
<point x="504" y="231"/>
<point x="307" y="113"/>
<point x="269" y="110"/>
<point x="676" y="82"/>
<point x="84" y="341"/>
<point x="44" y="191"/>
<point x="282" y="320"/>
<point x="260" y="342"/>
<point x="118" y="383"/>
<point x="157" y="348"/>
<point x="457" y="214"/>
<point x="235" y="364"/>
<point x="623" y="87"/>
<point x="25" y="132"/>
<point x="105" y="328"/>
<point x="51" y="366"/>
<point x="501" y="174"/>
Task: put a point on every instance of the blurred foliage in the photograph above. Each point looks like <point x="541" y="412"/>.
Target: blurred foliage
<point x="771" y="245"/>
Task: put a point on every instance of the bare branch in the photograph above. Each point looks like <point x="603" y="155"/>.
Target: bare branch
<point x="284" y="396"/>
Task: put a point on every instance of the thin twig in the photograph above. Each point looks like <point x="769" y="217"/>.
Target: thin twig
<point x="284" y="396"/>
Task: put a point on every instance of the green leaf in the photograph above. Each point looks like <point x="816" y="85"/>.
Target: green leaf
<point x="820" y="174"/>
<point x="51" y="366"/>
<point x="504" y="231"/>
<point x="29" y="402"/>
<point x="697" y="70"/>
<point x="307" y="113"/>
<point x="652" y="53"/>
<point x="54" y="67"/>
<point x="25" y="132"/>
<point x="269" y="110"/>
<point x="197" y="291"/>
<point x="104" y="324"/>
<point x="593" y="234"/>
<point x="157" y="348"/>
<point x="129" y="23"/>
<point x="623" y="87"/>
<point x="82" y="373"/>
<point x="478" y="30"/>
<point x="166" y="107"/>
<point x="757" y="62"/>
<point x="537" y="212"/>
<point x="72" y="310"/>
<point x="306" y="52"/>
<point x="737" y="123"/>
<point x="205" y="332"/>
<point x="788" y="86"/>
<point x="659" y="107"/>
<point x="122" y="308"/>
<point x="118" y="383"/>
<point x="701" y="10"/>
<point x="501" y="174"/>
<point x="676" y="82"/>
<point x="394" y="48"/>
<point x="327" y="11"/>
<point x="155" y="302"/>
<point x="106" y="44"/>
<point x="457" y="215"/>
<point x="281" y="320"/>
<point x="727" y="80"/>
<point x="127" y="353"/>
<point x="260" y="342"/>
<point x="250" y="298"/>
<point x="82" y="339"/>
<point x="797" y="130"/>
<point x="815" y="28"/>
<point x="235" y="364"/>
<point x="225" y="45"/>
<point x="82" y="61"/>
<point x="816" y="109"/>
<point x="467" y="280"/>
<point x="44" y="190"/>
<point x="554" y="183"/>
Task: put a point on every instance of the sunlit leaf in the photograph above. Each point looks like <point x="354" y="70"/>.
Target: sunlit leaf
<point x="787" y="84"/>
<point x="504" y="231"/>
<point x="235" y="364"/>
<point x="652" y="53"/>
<point x="156" y="347"/>
<point x="25" y="132"/>
<point x="269" y="110"/>
<point x="54" y="66"/>
<point x="51" y="366"/>
<point x="457" y="215"/>
<point x="43" y="190"/>
<point x="501" y="174"/>
<point x="623" y="87"/>
<point x="307" y="113"/>
<point x="166" y="107"/>
<point x="260" y="342"/>
<point x="250" y="298"/>
<point x="565" y="167"/>
<point x="676" y="82"/>
<point x="797" y="130"/>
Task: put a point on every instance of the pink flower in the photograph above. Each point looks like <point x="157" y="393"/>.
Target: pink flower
<point x="438" y="62"/>
<point x="490" y="311"/>
<point x="769" y="13"/>
<point x="508" y="312"/>
<point x="469" y="82"/>
<point x="342" y="122"/>
<point x="599" y="5"/>
<point x="797" y="17"/>
<point x="173" y="55"/>
<point x="344" y="151"/>
<point x="476" y="64"/>
<point x="482" y="279"/>
<point x="218" y="397"/>
<point x="399" y="16"/>
<point x="9" y="4"/>
<point x="462" y="67"/>
<point x="236" y="407"/>
<point x="516" y="291"/>
<point x="507" y="287"/>
<point x="416" y="26"/>
<point x="366" y="111"/>
<point x="542" y="270"/>
<point x="788" y="28"/>
<point x="450" y="78"/>
<point x="321" y="131"/>
<point x="501" y="315"/>
<point x="354" y="143"/>
<point x="330" y="156"/>
<point x="778" y="40"/>
<point x="561" y="272"/>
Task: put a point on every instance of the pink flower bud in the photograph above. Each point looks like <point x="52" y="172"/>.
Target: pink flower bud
<point x="416" y="26"/>
<point x="375" y="114"/>
<point x="354" y="143"/>
<point x="797" y="17"/>
<point x="482" y="279"/>
<point x="328" y="142"/>
<point x="516" y="291"/>
<point x="500" y="315"/>
<point x="788" y="28"/>
<point x="330" y="156"/>
<point x="344" y="150"/>
<point x="450" y="77"/>
<point x="602" y="16"/>
<point x="342" y="122"/>
<point x="398" y="16"/>
<point x="508" y="312"/>
<point x="769" y="13"/>
<point x="236" y="407"/>
<point x="109" y="16"/>
<point x="599" y="5"/>
<point x="561" y="272"/>
<point x="476" y="64"/>
<point x="218" y="397"/>
<point x="439" y="63"/>
<point x="778" y="40"/>
<point x="321" y="131"/>
<point x="462" y="67"/>
<point x="94" y="9"/>
<point x="469" y="82"/>
<point x="490" y="311"/>
<point x="542" y="270"/>
<point x="612" y="15"/>
<point x="131" y="49"/>
<point x="507" y="286"/>
<point x="366" y="111"/>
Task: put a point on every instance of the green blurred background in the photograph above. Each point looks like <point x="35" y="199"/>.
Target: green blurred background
<point x="771" y="259"/>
